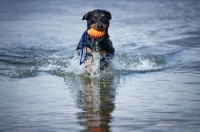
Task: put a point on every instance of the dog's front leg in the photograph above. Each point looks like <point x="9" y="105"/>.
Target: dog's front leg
<point x="88" y="61"/>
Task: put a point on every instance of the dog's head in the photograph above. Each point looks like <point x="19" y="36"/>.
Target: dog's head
<point x="98" y="19"/>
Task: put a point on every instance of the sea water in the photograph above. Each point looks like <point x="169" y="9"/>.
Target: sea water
<point x="152" y="83"/>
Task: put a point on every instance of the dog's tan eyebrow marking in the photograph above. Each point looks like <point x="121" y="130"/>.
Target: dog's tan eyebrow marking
<point x="102" y="15"/>
<point x="94" y="16"/>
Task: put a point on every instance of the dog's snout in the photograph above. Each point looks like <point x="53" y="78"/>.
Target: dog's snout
<point x="99" y="26"/>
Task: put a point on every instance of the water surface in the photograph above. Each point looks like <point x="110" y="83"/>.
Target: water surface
<point x="152" y="84"/>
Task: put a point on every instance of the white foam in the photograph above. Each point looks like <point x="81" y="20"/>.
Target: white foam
<point x="138" y="64"/>
<point x="144" y="64"/>
<point x="75" y="67"/>
<point x="121" y="63"/>
<point x="94" y="69"/>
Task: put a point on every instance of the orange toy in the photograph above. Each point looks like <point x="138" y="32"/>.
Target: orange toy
<point x="95" y="33"/>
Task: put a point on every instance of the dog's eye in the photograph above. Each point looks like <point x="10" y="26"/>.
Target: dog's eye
<point x="104" y="19"/>
<point x="94" y="18"/>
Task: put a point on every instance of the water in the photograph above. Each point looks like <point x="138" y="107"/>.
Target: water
<point x="152" y="84"/>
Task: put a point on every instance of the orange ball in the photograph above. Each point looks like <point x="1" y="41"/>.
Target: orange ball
<point x="95" y="33"/>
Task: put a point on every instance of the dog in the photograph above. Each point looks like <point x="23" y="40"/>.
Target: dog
<point x="96" y="39"/>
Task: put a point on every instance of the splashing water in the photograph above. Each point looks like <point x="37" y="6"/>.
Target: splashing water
<point x="73" y="66"/>
<point x="94" y="69"/>
<point x="57" y="62"/>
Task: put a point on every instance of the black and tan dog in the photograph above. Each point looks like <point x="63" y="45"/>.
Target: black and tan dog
<point x="96" y="39"/>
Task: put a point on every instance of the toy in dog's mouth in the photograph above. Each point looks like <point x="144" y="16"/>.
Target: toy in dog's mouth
<point x="95" y="33"/>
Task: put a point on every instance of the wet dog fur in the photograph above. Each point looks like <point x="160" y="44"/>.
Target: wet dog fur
<point x="98" y="20"/>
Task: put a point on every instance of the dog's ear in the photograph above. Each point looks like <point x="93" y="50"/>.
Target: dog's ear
<point x="86" y="16"/>
<point x="109" y="14"/>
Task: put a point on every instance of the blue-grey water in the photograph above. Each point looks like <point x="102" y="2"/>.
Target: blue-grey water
<point x="153" y="84"/>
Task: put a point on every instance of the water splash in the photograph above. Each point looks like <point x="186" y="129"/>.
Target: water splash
<point x="66" y="63"/>
<point x="74" y="67"/>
